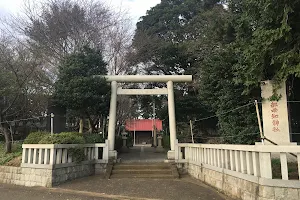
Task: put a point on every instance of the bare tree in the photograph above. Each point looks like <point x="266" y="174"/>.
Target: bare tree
<point x="22" y="94"/>
<point x="55" y="28"/>
<point x="117" y="46"/>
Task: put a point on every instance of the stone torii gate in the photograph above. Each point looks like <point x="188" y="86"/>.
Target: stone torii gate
<point x="169" y="79"/>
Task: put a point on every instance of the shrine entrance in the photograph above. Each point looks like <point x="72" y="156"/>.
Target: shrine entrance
<point x="115" y="90"/>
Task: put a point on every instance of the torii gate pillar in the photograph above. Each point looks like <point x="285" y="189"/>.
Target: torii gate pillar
<point x="112" y="153"/>
<point x="169" y="79"/>
<point x="172" y="120"/>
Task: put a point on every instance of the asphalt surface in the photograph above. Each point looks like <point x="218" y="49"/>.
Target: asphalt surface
<point x="11" y="192"/>
<point x="95" y="188"/>
<point x="166" y="189"/>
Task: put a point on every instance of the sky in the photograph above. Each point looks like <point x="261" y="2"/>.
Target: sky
<point x="135" y="8"/>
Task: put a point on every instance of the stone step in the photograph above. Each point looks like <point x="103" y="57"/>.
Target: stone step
<point x="142" y="171"/>
<point x="153" y="176"/>
<point x="141" y="166"/>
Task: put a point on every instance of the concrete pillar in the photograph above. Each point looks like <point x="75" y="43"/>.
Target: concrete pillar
<point x="172" y="120"/>
<point x="265" y="165"/>
<point x="112" y="121"/>
<point x="275" y="114"/>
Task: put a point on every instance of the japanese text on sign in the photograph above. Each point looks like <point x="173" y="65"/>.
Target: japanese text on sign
<point x="275" y="116"/>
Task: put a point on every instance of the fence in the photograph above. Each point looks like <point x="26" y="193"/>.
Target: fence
<point x="51" y="156"/>
<point x="252" y="160"/>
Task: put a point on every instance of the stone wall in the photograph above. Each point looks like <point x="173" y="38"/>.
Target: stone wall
<point x="64" y="174"/>
<point x="244" y="186"/>
<point x="101" y="168"/>
<point x="48" y="177"/>
<point x="26" y="176"/>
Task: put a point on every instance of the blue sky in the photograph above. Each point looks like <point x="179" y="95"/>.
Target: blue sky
<point x="136" y="8"/>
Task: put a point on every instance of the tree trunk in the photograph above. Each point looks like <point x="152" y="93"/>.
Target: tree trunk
<point x="6" y="132"/>
<point x="104" y="127"/>
<point x="90" y="125"/>
<point x="81" y="124"/>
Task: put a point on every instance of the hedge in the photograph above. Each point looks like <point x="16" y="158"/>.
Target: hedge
<point x="63" y="138"/>
<point x="35" y="137"/>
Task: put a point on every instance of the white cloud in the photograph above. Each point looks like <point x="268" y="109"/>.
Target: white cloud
<point x="136" y="8"/>
<point x="11" y="6"/>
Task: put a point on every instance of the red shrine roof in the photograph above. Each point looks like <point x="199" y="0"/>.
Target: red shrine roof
<point x="143" y="124"/>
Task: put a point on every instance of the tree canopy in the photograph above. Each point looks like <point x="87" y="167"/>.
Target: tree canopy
<point x="229" y="47"/>
<point x="79" y="86"/>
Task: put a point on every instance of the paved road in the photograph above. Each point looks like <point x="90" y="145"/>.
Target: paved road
<point x="95" y="188"/>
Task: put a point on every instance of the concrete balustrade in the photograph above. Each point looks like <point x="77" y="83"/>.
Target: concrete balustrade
<point x="51" y="164"/>
<point x="241" y="171"/>
<point x="49" y="156"/>
<point x="254" y="160"/>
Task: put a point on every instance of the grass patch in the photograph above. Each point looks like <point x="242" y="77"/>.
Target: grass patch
<point x="6" y="157"/>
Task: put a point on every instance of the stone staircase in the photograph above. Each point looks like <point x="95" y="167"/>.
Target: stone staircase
<point x="144" y="170"/>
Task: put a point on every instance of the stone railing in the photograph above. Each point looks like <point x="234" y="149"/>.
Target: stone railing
<point x="51" y="156"/>
<point x="252" y="160"/>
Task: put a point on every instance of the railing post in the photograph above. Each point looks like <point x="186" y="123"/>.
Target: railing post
<point x="237" y="161"/>
<point x="176" y="150"/>
<point x="243" y="162"/>
<point x="35" y="158"/>
<point x="59" y="156"/>
<point x="65" y="156"/>
<point x="256" y="165"/>
<point x="205" y="156"/>
<point x="24" y="155"/>
<point x="232" y="160"/>
<point x="96" y="153"/>
<point x="218" y="163"/>
<point x="30" y="160"/>
<point x="284" y="167"/>
<point x="41" y="156"/>
<point x="46" y="157"/>
<point x="105" y="151"/>
<point x="249" y="162"/>
<point x="222" y="156"/>
<point x="227" y="159"/>
<point x="265" y="165"/>
<point x="52" y="156"/>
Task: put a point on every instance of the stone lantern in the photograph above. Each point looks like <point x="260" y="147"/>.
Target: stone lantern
<point x="159" y="147"/>
<point x="124" y="148"/>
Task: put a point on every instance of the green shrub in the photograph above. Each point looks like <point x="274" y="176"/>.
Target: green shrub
<point x="63" y="138"/>
<point x="93" y="138"/>
<point x="35" y="137"/>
